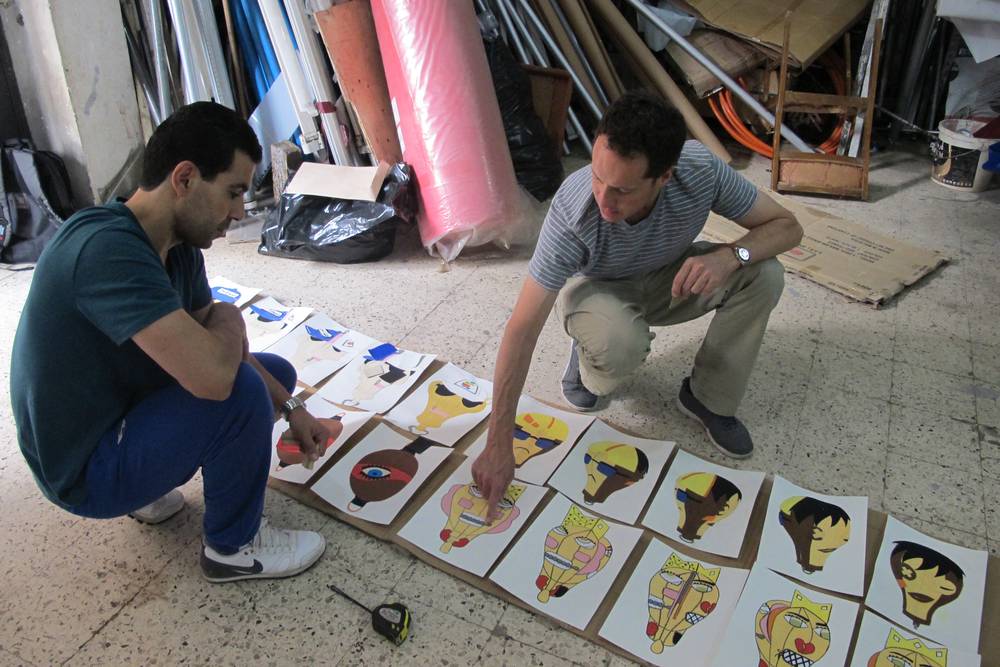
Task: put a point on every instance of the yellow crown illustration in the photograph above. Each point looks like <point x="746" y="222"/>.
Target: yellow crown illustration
<point x="697" y="482"/>
<point x="821" y="610"/>
<point x="787" y="506"/>
<point x="576" y="519"/>
<point x="675" y="562"/>
<point x="938" y="655"/>
<point x="514" y="492"/>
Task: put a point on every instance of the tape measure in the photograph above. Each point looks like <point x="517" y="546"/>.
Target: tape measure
<point x="391" y="620"/>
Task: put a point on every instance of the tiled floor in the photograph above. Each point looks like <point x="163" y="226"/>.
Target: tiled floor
<point x="901" y="404"/>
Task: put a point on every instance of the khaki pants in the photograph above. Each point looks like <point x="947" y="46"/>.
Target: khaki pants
<point x="610" y="320"/>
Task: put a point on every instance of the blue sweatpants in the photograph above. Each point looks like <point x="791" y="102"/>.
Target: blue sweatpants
<point x="163" y="441"/>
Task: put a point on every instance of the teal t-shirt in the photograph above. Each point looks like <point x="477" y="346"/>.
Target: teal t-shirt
<point x="75" y="371"/>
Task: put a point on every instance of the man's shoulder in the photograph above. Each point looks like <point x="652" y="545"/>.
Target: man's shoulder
<point x="573" y="197"/>
<point x="694" y="158"/>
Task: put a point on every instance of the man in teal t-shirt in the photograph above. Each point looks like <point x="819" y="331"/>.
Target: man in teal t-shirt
<point x="126" y="378"/>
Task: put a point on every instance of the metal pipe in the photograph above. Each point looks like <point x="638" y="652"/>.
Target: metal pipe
<point x="554" y="48"/>
<point x="727" y="81"/>
<point x="154" y="22"/>
<point x="579" y="52"/>
<point x="218" y="76"/>
<point x="513" y="33"/>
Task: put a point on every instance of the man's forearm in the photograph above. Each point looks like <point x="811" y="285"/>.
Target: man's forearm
<point x="771" y="238"/>
<point x="511" y="371"/>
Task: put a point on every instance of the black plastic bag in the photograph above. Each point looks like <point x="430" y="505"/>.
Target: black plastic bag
<point x="35" y="199"/>
<point x="536" y="161"/>
<point x="340" y="230"/>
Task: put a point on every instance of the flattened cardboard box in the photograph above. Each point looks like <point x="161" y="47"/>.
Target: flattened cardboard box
<point x="844" y="256"/>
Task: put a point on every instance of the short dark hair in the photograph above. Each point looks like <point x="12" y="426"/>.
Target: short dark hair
<point x="640" y="123"/>
<point x="206" y="133"/>
<point x="928" y="558"/>
<point x="723" y="488"/>
<point x="818" y="510"/>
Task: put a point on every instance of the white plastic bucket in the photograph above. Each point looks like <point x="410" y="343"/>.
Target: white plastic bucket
<point x="959" y="156"/>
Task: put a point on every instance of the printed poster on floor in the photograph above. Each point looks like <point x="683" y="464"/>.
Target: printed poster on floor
<point x="268" y="321"/>
<point x="883" y="644"/>
<point x="321" y="347"/>
<point x="376" y="379"/>
<point x="446" y="407"/>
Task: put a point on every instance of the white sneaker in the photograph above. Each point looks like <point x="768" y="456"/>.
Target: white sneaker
<point x="160" y="509"/>
<point x="273" y="553"/>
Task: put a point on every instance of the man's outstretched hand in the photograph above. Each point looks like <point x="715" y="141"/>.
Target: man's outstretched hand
<point x="492" y="472"/>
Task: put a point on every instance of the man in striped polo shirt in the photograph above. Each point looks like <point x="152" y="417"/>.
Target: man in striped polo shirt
<point x="617" y="254"/>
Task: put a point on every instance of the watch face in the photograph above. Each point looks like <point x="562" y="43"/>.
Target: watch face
<point x="743" y="254"/>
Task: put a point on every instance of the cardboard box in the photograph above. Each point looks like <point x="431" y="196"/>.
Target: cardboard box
<point x="337" y="182"/>
<point x="733" y="56"/>
<point x="844" y="256"/>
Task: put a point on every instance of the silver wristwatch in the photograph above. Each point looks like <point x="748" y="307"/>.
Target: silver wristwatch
<point x="286" y="408"/>
<point x="742" y="254"/>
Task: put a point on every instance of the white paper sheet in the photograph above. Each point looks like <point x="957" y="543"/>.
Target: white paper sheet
<point x="321" y="347"/>
<point x="674" y="608"/>
<point x="296" y="472"/>
<point x="226" y="291"/>
<point x="376" y="384"/>
<point x="815" y="538"/>
<point x="881" y="641"/>
<point x="451" y="526"/>
<point x="612" y="473"/>
<point x="566" y="561"/>
<point x="268" y="321"/>
<point x="376" y="478"/>
<point x="445" y="407"/>
<point x="714" y="507"/>
<point x="944" y="586"/>
<point x="543" y="435"/>
<point x="778" y="623"/>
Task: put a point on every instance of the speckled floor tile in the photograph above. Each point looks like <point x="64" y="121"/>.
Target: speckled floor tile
<point x="934" y="493"/>
<point x="852" y="372"/>
<point x="987" y="403"/>
<point x="933" y="391"/>
<point x="852" y="326"/>
<point x="936" y="350"/>
<point x="983" y="322"/>
<point x="432" y="587"/>
<point x="932" y="437"/>
<point x="942" y="532"/>
<point x="538" y="632"/>
<point x="507" y="652"/>
<point x="986" y="362"/>
<point x="991" y="469"/>
<point x="371" y="561"/>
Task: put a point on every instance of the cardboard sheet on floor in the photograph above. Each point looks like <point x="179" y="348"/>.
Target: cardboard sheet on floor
<point x="929" y="585"/>
<point x="566" y="561"/>
<point x="784" y="623"/>
<point x="674" y="608"/>
<point x="268" y="321"/>
<point x="320" y="348"/>
<point x="298" y="473"/>
<point x="705" y="505"/>
<point x="612" y="473"/>
<point x="447" y="406"/>
<point x="816" y="24"/>
<point x="844" y="256"/>
<point x="225" y="290"/>
<point x="815" y="538"/>
<point x="882" y="643"/>
<point x="452" y="526"/>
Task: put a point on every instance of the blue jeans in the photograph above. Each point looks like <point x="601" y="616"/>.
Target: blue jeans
<point x="162" y="441"/>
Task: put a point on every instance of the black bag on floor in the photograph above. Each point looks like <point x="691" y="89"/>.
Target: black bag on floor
<point x="342" y="231"/>
<point x="35" y="198"/>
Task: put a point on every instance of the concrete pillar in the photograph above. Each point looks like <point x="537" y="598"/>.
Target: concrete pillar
<point x="75" y="79"/>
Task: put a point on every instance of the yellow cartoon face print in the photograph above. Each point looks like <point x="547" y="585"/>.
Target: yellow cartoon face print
<point x="927" y="579"/>
<point x="610" y="467"/>
<point x="575" y="551"/>
<point x="703" y="499"/>
<point x="443" y="404"/>
<point x="466" y="509"/>
<point x="681" y="595"/>
<point x="902" y="652"/>
<point x="817" y="529"/>
<point x="792" y="634"/>
<point x="535" y="434"/>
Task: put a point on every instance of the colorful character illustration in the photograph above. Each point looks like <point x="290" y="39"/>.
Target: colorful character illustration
<point x="611" y="466"/>
<point x="376" y="375"/>
<point x="443" y="404"/>
<point x="927" y="579"/>
<point x="902" y="652"/>
<point x="289" y="451"/>
<point x="792" y="634"/>
<point x="226" y="294"/>
<point x="321" y="346"/>
<point x="681" y="595"/>
<point x="817" y="529"/>
<point x="466" y="509"/>
<point x="703" y="499"/>
<point x="268" y="320"/>
<point x="535" y="434"/>
<point x="382" y="474"/>
<point x="575" y="551"/>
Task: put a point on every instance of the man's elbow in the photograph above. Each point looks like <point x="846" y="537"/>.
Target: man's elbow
<point x="213" y="387"/>
<point x="795" y="232"/>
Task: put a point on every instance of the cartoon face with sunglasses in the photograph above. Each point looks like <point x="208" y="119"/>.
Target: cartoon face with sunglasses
<point x="610" y="467"/>
<point x="443" y="404"/>
<point x="535" y="434"/>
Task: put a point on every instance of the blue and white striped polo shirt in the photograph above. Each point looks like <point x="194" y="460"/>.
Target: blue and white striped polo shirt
<point x="575" y="240"/>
